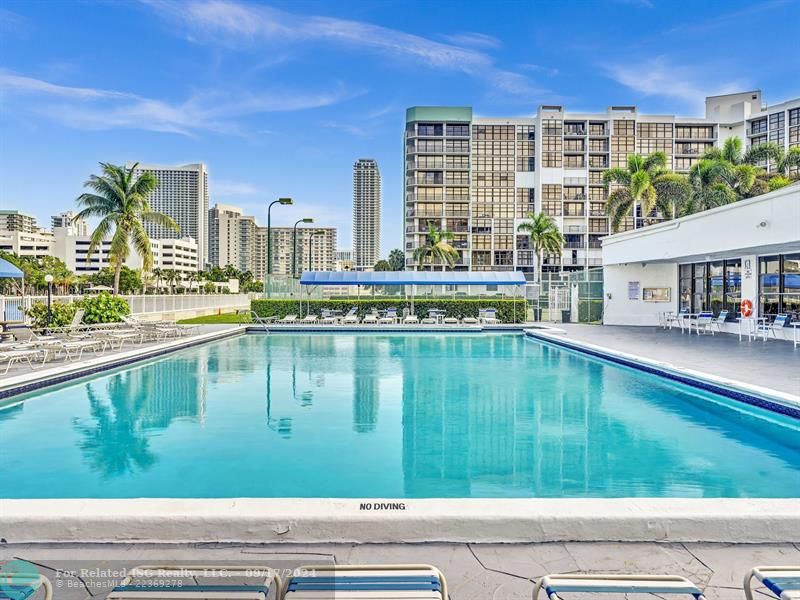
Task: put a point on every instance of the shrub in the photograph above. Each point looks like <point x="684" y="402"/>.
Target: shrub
<point x="459" y="308"/>
<point x="104" y="308"/>
<point x="61" y="314"/>
<point x="590" y="311"/>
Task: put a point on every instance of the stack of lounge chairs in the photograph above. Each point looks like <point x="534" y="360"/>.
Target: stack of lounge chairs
<point x="486" y="316"/>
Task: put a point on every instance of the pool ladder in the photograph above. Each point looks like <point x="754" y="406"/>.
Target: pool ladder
<point x="255" y="318"/>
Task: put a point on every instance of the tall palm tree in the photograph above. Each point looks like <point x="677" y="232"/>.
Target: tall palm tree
<point x="437" y="247"/>
<point x="171" y="276"/>
<point x="637" y="186"/>
<point x="772" y="152"/>
<point x="195" y="277"/>
<point x="120" y="201"/>
<point x="158" y="274"/>
<point x="545" y="237"/>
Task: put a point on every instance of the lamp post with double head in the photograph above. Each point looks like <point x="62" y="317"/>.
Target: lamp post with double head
<point x="294" y="244"/>
<point x="283" y="201"/>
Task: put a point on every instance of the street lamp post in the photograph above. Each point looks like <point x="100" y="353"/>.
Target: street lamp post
<point x="294" y="244"/>
<point x="284" y="201"/>
<point x="49" y="279"/>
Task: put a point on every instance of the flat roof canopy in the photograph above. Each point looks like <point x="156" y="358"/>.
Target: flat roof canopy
<point x="412" y="278"/>
<point x="9" y="270"/>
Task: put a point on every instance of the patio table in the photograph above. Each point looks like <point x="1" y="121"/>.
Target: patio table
<point x="749" y="325"/>
<point x="795" y="327"/>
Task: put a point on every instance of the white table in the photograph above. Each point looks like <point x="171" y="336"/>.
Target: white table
<point x="795" y="327"/>
<point x="749" y="326"/>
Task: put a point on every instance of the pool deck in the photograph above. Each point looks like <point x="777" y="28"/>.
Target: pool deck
<point x="473" y="571"/>
<point x="774" y="364"/>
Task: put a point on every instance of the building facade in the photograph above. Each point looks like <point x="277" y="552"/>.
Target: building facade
<point x="479" y="178"/>
<point x="70" y="220"/>
<point x="224" y="245"/>
<point x="317" y="243"/>
<point x="366" y="213"/>
<point x="37" y="244"/>
<point x="182" y="193"/>
<point x="14" y="220"/>
<point x="344" y="260"/>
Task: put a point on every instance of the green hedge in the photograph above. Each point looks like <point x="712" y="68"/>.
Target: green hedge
<point x="452" y="308"/>
<point x="590" y="311"/>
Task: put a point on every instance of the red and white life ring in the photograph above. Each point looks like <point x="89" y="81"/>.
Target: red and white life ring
<point x="747" y="307"/>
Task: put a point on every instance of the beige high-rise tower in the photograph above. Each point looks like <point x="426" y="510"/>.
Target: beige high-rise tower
<point x="366" y="214"/>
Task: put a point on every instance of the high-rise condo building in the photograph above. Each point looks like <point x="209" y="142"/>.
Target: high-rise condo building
<point x="480" y="177"/>
<point x="366" y="213"/>
<point x="319" y="241"/>
<point x="13" y="220"/>
<point x="71" y="220"/>
<point x="224" y="244"/>
<point x="182" y="193"/>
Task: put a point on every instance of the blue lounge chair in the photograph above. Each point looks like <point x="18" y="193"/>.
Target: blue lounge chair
<point x="24" y="585"/>
<point x="376" y="582"/>
<point x="719" y="321"/>
<point x="784" y="582"/>
<point x="705" y="323"/>
<point x="766" y="328"/>
<point x="615" y="584"/>
<point x="172" y="586"/>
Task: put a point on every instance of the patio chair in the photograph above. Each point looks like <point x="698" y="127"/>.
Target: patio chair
<point x="554" y="585"/>
<point x="720" y="319"/>
<point x="370" y="319"/>
<point x="488" y="316"/>
<point x="704" y="323"/>
<point x="288" y="319"/>
<point x="784" y="582"/>
<point x="351" y="317"/>
<point x="469" y="321"/>
<point x="328" y="317"/>
<point x="450" y="321"/>
<point x="376" y="582"/>
<point x="411" y="320"/>
<point x="12" y="356"/>
<point x="390" y="318"/>
<point x="24" y="585"/>
<point x="310" y="319"/>
<point x="172" y="585"/>
<point x="429" y="321"/>
<point x="766" y="328"/>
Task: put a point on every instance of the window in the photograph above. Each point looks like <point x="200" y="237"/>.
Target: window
<point x="458" y="130"/>
<point x="526" y="133"/>
<point x="794" y="116"/>
<point x="429" y="129"/>
<point x="777" y="121"/>
<point x="694" y="131"/>
<point x="623" y="127"/>
<point x="713" y="286"/>
<point x="779" y="281"/>
<point x="758" y="126"/>
<point x="655" y="130"/>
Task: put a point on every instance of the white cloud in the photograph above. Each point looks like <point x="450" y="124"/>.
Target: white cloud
<point x="474" y="39"/>
<point x="659" y="77"/>
<point x="223" y="187"/>
<point x="236" y="24"/>
<point x="99" y="109"/>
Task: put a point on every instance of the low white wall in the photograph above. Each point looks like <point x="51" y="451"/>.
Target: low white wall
<point x="620" y="310"/>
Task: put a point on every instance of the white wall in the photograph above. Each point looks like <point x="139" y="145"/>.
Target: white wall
<point x="619" y="310"/>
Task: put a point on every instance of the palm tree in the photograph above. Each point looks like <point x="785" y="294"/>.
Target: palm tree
<point x="772" y="152"/>
<point x="171" y="276"/>
<point x="120" y="201"/>
<point x="437" y="248"/>
<point x="397" y="260"/>
<point x="638" y="186"/>
<point x="545" y="237"/>
<point x="195" y="277"/>
<point x="158" y="274"/>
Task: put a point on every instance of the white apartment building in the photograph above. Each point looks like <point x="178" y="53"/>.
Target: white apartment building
<point x="320" y="242"/>
<point x="37" y="244"/>
<point x="366" y="213"/>
<point x="71" y="220"/>
<point x="14" y="220"/>
<point x="182" y="193"/>
<point x="344" y="260"/>
<point x="480" y="177"/>
<point x="224" y="240"/>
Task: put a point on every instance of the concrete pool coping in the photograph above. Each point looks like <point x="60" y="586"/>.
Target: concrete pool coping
<point x="308" y="520"/>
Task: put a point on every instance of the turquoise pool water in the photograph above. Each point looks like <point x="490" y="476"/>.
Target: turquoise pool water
<point x="374" y="415"/>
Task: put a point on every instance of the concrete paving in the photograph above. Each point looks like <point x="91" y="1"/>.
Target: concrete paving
<point x="772" y="364"/>
<point x="473" y="571"/>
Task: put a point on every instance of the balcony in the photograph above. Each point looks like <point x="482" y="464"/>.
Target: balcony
<point x="575" y="198"/>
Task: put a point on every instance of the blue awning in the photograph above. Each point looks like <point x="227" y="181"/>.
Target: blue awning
<point x="9" y="270"/>
<point x="412" y="278"/>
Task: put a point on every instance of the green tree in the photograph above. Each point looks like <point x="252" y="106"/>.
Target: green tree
<point x="195" y="277"/>
<point x="638" y="184"/>
<point x="437" y="247"/>
<point x="771" y="152"/>
<point x="128" y="280"/>
<point x="158" y="274"/>
<point x="172" y="277"/>
<point x="397" y="260"/>
<point x="545" y="237"/>
<point x="120" y="202"/>
<point x="382" y="265"/>
<point x="216" y="274"/>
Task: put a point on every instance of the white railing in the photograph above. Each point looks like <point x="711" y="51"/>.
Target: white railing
<point x="12" y="308"/>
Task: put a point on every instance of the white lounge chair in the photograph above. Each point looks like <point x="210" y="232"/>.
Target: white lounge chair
<point x="390" y="318"/>
<point x="488" y="316"/>
<point x="288" y="319"/>
<point x="374" y="582"/>
<point x="719" y="320"/>
<point x="310" y="319"/>
<point x="469" y="321"/>
<point x="351" y="317"/>
<point x="783" y="582"/>
<point x="615" y="584"/>
<point x="704" y="323"/>
<point x="411" y="320"/>
<point x="182" y="581"/>
<point x="450" y="321"/>
<point x="370" y="319"/>
<point x="24" y="584"/>
<point x="764" y="329"/>
<point x="12" y="356"/>
<point x="429" y="321"/>
<point x="328" y="317"/>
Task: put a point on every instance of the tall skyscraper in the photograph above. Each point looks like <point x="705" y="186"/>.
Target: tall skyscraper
<point x="480" y="177"/>
<point x="182" y="193"/>
<point x="366" y="213"/>
<point x="224" y="246"/>
<point x="321" y="246"/>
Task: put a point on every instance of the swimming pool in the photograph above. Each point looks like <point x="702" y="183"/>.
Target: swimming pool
<point x="375" y="415"/>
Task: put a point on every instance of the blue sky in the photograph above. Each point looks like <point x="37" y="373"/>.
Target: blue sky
<point x="280" y="98"/>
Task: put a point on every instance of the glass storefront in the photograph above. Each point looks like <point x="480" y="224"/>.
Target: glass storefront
<point x="712" y="286"/>
<point x="779" y="285"/>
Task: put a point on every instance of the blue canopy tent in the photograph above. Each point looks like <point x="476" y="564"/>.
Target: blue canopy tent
<point x="414" y="278"/>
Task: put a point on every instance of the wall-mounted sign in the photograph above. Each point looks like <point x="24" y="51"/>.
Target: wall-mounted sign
<point x="747" y="269"/>
<point x="633" y="290"/>
<point x="656" y="294"/>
